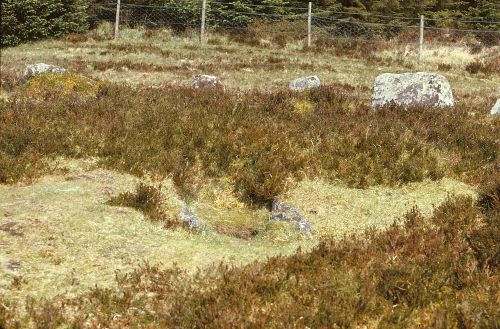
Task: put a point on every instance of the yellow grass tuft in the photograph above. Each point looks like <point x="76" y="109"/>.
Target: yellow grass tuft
<point x="303" y="107"/>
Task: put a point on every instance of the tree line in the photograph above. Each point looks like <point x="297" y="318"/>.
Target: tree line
<point x="27" y="20"/>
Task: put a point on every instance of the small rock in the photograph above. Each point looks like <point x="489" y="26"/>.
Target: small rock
<point x="12" y="228"/>
<point x="304" y="83"/>
<point x="189" y="217"/>
<point x="304" y="226"/>
<point x="283" y="212"/>
<point x="14" y="265"/>
<point x="107" y="191"/>
<point x="496" y="108"/>
<point x="206" y="81"/>
<point x="412" y="89"/>
<point x="32" y="70"/>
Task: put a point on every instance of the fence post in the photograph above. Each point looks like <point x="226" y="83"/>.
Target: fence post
<point x="203" y="19"/>
<point x="117" y="21"/>
<point x="309" y="25"/>
<point x="421" y="42"/>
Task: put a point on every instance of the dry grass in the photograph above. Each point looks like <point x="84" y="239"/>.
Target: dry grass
<point x="336" y="210"/>
<point x="136" y="59"/>
<point x="72" y="239"/>
<point x="421" y="272"/>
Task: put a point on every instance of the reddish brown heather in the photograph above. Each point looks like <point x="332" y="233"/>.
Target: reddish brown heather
<point x="257" y="139"/>
<point x="441" y="272"/>
<point x="489" y="66"/>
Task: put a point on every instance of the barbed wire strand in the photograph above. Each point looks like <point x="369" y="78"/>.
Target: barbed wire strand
<point x="256" y="14"/>
<point x="329" y="19"/>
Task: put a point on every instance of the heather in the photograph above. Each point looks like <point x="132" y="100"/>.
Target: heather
<point x="99" y="164"/>
<point x="261" y="141"/>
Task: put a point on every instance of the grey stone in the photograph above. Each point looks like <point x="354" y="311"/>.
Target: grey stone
<point x="496" y="108"/>
<point x="32" y="70"/>
<point x="304" y="83"/>
<point x="206" y="81"/>
<point x="189" y="217"/>
<point x="304" y="226"/>
<point x="412" y="89"/>
<point x="283" y="212"/>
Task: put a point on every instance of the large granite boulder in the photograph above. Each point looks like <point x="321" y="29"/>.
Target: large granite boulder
<point x="32" y="70"/>
<point x="283" y="212"/>
<point x="496" y="108"/>
<point x="304" y="83"/>
<point x="206" y="81"/>
<point x="412" y="89"/>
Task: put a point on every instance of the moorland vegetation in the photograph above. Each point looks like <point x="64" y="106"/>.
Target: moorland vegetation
<point x="439" y="270"/>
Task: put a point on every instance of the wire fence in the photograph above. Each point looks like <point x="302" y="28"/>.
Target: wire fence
<point x="312" y="28"/>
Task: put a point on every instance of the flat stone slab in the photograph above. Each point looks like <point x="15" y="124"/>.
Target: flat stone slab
<point x="189" y="217"/>
<point x="304" y="226"/>
<point x="32" y="70"/>
<point x="412" y="89"/>
<point x="304" y="83"/>
<point x="206" y="81"/>
<point x="283" y="212"/>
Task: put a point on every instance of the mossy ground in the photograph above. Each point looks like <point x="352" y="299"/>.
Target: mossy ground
<point x="60" y="85"/>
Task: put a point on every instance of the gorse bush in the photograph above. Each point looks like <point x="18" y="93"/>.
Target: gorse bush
<point x="440" y="272"/>
<point x="28" y="20"/>
<point x="256" y="139"/>
<point x="51" y="86"/>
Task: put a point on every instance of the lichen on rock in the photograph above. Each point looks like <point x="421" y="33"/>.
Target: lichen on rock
<point x="412" y="89"/>
<point x="304" y="83"/>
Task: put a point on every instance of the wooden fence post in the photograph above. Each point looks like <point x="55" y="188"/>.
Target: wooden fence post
<point x="309" y="26"/>
<point x="421" y="42"/>
<point x="203" y="20"/>
<point x="117" y="21"/>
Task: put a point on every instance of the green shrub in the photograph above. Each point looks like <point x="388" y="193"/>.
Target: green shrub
<point x="28" y="20"/>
